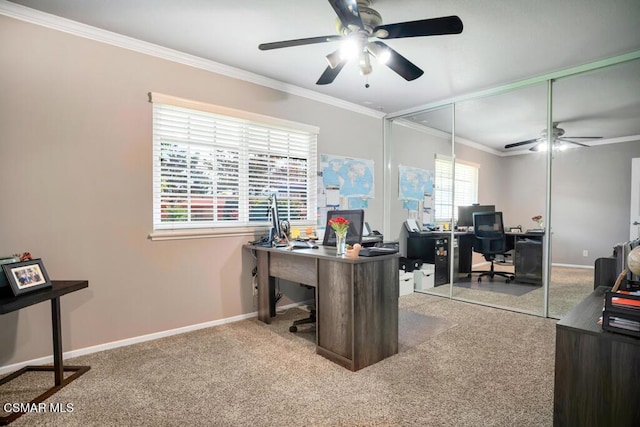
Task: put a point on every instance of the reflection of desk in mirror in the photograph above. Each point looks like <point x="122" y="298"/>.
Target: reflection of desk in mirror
<point x="432" y="247"/>
<point x="527" y="257"/>
<point x="356" y="300"/>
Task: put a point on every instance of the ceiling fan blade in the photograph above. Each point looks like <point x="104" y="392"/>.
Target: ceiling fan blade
<point x="330" y="74"/>
<point x="299" y="42"/>
<point x="581" y="137"/>
<point x="572" y="142"/>
<point x="423" y="27"/>
<point x="401" y="65"/>
<point x="518" y="144"/>
<point x="347" y="11"/>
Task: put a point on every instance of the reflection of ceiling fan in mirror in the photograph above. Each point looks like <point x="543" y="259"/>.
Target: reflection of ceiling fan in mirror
<point x="560" y="142"/>
<point x="360" y="30"/>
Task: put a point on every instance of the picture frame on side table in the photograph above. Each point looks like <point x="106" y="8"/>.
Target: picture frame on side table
<point x="26" y="276"/>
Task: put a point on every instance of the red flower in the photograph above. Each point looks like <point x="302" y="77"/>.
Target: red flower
<point x="339" y="225"/>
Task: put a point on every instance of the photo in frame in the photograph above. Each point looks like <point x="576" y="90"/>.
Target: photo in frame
<point x="26" y="276"/>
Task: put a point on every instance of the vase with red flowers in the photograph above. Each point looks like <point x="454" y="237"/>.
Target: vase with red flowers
<point x="340" y="226"/>
<point x="538" y="220"/>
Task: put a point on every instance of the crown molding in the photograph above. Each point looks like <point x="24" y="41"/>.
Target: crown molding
<point x="75" y="28"/>
<point x="440" y="134"/>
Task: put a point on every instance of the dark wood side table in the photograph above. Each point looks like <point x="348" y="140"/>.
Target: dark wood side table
<point x="10" y="304"/>
<point x="597" y="375"/>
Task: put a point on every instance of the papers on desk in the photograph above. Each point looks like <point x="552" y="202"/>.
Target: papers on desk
<point x="377" y="251"/>
<point x="619" y="322"/>
<point x="622" y="313"/>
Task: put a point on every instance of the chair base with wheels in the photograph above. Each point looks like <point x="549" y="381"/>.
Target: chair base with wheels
<point x="305" y="321"/>
<point x="308" y="320"/>
<point x="491" y="273"/>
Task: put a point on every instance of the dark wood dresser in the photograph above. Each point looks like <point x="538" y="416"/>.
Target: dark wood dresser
<point x="597" y="373"/>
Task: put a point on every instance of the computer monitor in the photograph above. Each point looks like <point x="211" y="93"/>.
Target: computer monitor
<point x="356" y="221"/>
<point x="465" y="213"/>
<point x="276" y="230"/>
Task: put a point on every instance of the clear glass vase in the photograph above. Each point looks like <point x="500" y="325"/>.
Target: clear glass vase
<point x="341" y="243"/>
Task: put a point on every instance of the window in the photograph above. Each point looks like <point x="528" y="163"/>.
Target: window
<point x="466" y="187"/>
<point x="215" y="167"/>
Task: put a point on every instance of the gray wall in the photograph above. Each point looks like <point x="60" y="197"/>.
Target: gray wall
<point x="75" y="132"/>
<point x="590" y="203"/>
<point x="591" y="190"/>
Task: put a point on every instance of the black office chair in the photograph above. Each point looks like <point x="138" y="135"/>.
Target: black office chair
<point x="307" y="320"/>
<point x="489" y="240"/>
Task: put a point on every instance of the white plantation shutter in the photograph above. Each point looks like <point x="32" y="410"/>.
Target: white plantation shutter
<point x="215" y="170"/>
<point x="466" y="187"/>
<point x="443" y="189"/>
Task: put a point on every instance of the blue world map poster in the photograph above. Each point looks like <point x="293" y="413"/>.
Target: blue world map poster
<point x="352" y="177"/>
<point x="415" y="183"/>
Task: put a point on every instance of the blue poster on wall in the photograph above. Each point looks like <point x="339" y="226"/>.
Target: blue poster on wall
<point x="358" y="203"/>
<point x="353" y="177"/>
<point x="414" y="183"/>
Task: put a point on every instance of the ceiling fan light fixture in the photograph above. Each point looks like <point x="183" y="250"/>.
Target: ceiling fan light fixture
<point x="542" y="147"/>
<point x="349" y="49"/>
<point x="557" y="146"/>
<point x="382" y="54"/>
<point x="365" y="63"/>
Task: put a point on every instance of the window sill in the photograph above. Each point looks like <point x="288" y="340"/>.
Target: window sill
<point x="206" y="233"/>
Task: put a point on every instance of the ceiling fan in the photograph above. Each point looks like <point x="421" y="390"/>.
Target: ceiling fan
<point x="360" y="28"/>
<point x="559" y="140"/>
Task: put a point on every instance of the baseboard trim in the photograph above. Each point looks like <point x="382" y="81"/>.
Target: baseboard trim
<point x="586" y="267"/>
<point x="135" y="340"/>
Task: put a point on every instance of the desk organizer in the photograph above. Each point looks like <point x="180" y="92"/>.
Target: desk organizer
<point x="621" y="313"/>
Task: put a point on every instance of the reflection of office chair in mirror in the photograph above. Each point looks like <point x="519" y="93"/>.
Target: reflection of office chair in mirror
<point x="489" y="240"/>
<point x="306" y="320"/>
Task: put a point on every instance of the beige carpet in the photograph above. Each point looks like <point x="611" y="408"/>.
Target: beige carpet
<point x="568" y="286"/>
<point x="487" y="368"/>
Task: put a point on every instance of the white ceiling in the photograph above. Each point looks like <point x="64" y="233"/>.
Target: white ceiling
<point x="502" y="42"/>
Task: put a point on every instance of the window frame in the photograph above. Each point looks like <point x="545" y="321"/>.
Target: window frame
<point x="305" y="148"/>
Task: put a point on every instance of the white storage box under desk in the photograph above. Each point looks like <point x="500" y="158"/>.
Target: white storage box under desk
<point x="424" y="278"/>
<point x="406" y="283"/>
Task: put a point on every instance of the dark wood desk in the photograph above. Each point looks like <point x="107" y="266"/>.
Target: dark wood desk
<point x="10" y="304"/>
<point x="356" y="300"/>
<point x="597" y="373"/>
<point x="421" y="245"/>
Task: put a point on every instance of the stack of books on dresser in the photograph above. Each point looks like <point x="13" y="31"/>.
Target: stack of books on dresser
<point x="622" y="313"/>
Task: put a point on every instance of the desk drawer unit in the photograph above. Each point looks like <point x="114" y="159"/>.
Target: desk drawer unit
<point x="357" y="309"/>
<point x="528" y="262"/>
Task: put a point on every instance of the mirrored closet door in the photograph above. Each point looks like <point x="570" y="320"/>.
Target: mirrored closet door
<point x="500" y="251"/>
<point x="421" y="201"/>
<point x="596" y="129"/>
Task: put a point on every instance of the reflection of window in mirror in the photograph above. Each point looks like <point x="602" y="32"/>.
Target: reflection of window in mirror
<point x="466" y="187"/>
